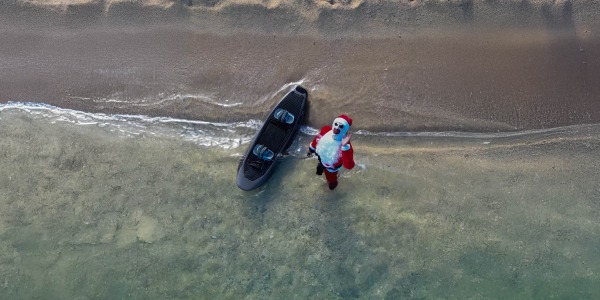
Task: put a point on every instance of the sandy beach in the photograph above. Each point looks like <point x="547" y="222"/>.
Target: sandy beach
<point x="479" y="76"/>
<point x="476" y="137"/>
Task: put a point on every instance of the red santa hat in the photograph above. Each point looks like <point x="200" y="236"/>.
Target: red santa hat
<point x="347" y="119"/>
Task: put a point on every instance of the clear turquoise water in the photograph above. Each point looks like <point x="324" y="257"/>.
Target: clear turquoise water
<point x="125" y="207"/>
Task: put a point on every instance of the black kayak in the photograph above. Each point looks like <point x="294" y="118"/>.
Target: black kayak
<point x="274" y="137"/>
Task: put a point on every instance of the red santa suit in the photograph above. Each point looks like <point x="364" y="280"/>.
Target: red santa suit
<point x="331" y="151"/>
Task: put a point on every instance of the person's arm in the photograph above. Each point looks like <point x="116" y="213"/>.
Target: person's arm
<point x="347" y="152"/>
<point x="348" y="157"/>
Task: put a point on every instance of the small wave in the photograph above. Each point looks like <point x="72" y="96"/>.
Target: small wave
<point x="288" y="87"/>
<point x="309" y="130"/>
<point x="484" y="135"/>
<point x="203" y="133"/>
<point x="161" y="99"/>
<point x="201" y="97"/>
<point x="572" y="129"/>
<point x="234" y="134"/>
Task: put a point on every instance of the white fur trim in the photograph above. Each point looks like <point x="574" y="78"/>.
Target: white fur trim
<point x="343" y="121"/>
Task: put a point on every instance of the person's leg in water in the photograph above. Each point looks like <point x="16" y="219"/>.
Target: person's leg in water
<point x="331" y="179"/>
<point x="320" y="169"/>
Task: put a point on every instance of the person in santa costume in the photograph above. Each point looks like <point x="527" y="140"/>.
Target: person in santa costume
<point x="333" y="149"/>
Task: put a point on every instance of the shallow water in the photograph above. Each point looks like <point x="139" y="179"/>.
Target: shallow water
<point x="112" y="207"/>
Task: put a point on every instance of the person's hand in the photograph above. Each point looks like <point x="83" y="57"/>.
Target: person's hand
<point x="346" y="139"/>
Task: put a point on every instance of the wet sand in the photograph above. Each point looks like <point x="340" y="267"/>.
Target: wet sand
<point x="453" y="76"/>
<point x="88" y="213"/>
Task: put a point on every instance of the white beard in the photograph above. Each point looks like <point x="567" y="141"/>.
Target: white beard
<point x="329" y="150"/>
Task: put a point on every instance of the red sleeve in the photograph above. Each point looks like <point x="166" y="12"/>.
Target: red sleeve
<point x="324" y="130"/>
<point x="348" y="158"/>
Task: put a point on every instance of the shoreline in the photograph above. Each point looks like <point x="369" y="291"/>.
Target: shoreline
<point x="472" y="80"/>
<point x="471" y="66"/>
